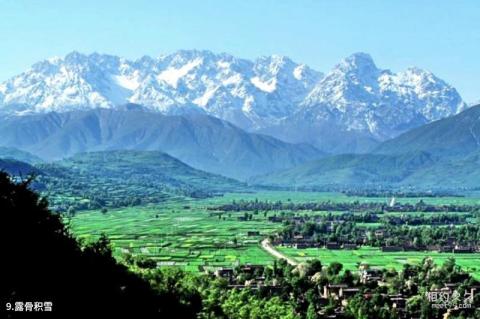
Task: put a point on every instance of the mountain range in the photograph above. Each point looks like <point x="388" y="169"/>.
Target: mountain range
<point x="352" y="107"/>
<point x="271" y="117"/>
<point x="202" y="141"/>
<point x="441" y="155"/>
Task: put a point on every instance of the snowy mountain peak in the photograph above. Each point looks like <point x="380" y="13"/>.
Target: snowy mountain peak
<point x="75" y="57"/>
<point x="273" y="64"/>
<point x="422" y="79"/>
<point x="358" y="61"/>
<point x="353" y="79"/>
<point x="248" y="93"/>
<point x="358" y="67"/>
<point x="355" y="95"/>
<point x="359" y="96"/>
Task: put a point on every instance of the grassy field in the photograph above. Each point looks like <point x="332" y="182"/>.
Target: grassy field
<point x="175" y="235"/>
<point x="183" y="232"/>
<point x="376" y="258"/>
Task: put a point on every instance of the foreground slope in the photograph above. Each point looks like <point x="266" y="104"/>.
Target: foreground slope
<point x="60" y="270"/>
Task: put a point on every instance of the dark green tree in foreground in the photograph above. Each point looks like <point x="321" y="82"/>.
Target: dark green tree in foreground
<point x="41" y="261"/>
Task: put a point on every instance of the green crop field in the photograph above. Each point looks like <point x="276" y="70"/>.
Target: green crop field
<point x="185" y="233"/>
<point x="174" y="235"/>
<point x="376" y="258"/>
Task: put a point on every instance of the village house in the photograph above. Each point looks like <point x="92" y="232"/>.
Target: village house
<point x="224" y="273"/>
<point x="446" y="249"/>
<point x="251" y="269"/>
<point x="370" y="275"/>
<point x="379" y="233"/>
<point x="350" y="246"/>
<point x="451" y="241"/>
<point x="333" y="291"/>
<point x="462" y="249"/>
<point x="301" y="245"/>
<point x="349" y="292"/>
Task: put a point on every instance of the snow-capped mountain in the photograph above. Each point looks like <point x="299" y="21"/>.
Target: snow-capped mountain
<point x="271" y="94"/>
<point x="248" y="93"/>
<point x="358" y="96"/>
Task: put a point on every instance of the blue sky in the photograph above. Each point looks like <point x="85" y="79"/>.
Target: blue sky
<point x="441" y="36"/>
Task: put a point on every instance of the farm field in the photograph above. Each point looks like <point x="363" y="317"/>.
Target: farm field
<point x="184" y="233"/>
<point x="178" y="233"/>
<point x="378" y="259"/>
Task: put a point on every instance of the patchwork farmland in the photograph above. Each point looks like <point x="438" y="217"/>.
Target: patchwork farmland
<point x="190" y="235"/>
<point x="351" y="259"/>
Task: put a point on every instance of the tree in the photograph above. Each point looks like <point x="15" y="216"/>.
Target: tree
<point x="311" y="312"/>
<point x="334" y="268"/>
<point x="144" y="262"/>
<point x="44" y="262"/>
<point x="313" y="267"/>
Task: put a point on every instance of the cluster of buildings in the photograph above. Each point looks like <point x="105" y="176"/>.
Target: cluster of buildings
<point x="251" y="276"/>
<point x="246" y="276"/>
<point x="451" y="245"/>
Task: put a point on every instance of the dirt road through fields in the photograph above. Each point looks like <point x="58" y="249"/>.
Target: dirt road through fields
<point x="267" y="246"/>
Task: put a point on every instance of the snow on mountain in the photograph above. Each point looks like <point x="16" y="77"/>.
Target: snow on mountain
<point x="355" y="95"/>
<point x="247" y="93"/>
<point x="358" y="96"/>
